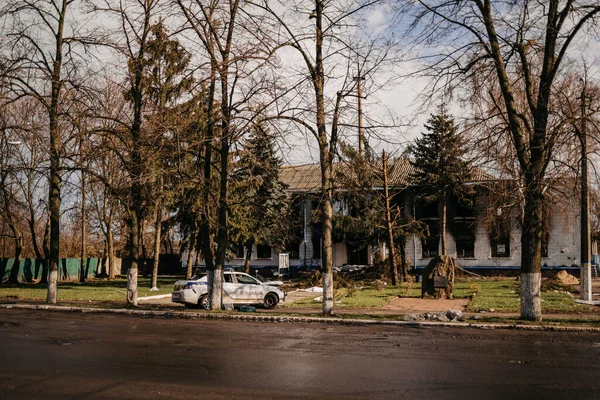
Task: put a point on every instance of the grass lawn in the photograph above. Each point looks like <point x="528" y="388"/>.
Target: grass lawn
<point x="104" y="290"/>
<point x="500" y="294"/>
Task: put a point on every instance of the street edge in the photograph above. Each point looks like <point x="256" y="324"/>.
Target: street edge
<point x="294" y="319"/>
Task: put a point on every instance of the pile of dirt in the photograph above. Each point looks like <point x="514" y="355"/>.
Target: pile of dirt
<point x="564" y="278"/>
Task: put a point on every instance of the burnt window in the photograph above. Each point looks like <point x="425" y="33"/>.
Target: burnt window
<point x="430" y="245"/>
<point x="465" y="246"/>
<point x="293" y="249"/>
<point x="545" y="241"/>
<point x="427" y="210"/>
<point x="463" y="232"/>
<point x="239" y="250"/>
<point x="501" y="246"/>
<point x="316" y="240"/>
<point x="464" y="206"/>
<point x="358" y="256"/>
<point x="263" y="252"/>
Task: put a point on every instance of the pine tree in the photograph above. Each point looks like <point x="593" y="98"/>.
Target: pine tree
<point x="261" y="202"/>
<point x="439" y="169"/>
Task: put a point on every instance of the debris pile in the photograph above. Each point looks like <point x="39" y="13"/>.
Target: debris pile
<point x="565" y="278"/>
<point x="444" y="316"/>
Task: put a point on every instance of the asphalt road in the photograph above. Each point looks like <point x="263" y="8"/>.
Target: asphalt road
<point x="61" y="355"/>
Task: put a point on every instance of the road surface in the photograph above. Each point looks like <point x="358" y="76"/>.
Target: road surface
<point x="62" y="355"/>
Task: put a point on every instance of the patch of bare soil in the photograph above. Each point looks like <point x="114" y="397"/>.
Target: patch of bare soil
<point x="564" y="278"/>
<point x="411" y="304"/>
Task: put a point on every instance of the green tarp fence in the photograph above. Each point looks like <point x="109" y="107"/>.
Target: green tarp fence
<point x="30" y="269"/>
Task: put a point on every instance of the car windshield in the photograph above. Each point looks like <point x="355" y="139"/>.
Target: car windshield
<point x="196" y="277"/>
<point x="241" y="278"/>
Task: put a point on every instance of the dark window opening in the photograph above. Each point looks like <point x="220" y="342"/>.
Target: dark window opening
<point x="316" y="240"/>
<point x="358" y="256"/>
<point x="427" y="210"/>
<point x="465" y="246"/>
<point x="545" y="241"/>
<point x="464" y="237"/>
<point x="239" y="251"/>
<point x="430" y="245"/>
<point x="465" y="207"/>
<point x="263" y="252"/>
<point x="293" y="249"/>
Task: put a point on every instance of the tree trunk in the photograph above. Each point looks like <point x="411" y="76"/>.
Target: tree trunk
<point x="388" y="223"/>
<point x="83" y="272"/>
<point x="404" y="263"/>
<point x="248" y="256"/>
<point x="190" y="256"/>
<point x="157" y="235"/>
<point x="443" y="228"/>
<point x="585" y="275"/>
<point x="531" y="244"/>
<point x="111" y="251"/>
<point x="205" y="225"/>
<point x="55" y="149"/>
<point x="134" y="253"/>
<point x="14" y="272"/>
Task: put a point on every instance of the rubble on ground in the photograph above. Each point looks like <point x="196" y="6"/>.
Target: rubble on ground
<point x="444" y="316"/>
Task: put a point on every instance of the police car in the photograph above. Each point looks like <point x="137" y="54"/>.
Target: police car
<point x="238" y="288"/>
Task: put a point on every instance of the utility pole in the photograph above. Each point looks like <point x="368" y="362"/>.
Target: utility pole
<point x="361" y="139"/>
<point x="585" y="267"/>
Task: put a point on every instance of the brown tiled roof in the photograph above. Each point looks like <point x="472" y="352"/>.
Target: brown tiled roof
<point x="307" y="177"/>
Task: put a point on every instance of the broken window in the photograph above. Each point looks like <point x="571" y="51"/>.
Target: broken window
<point x="239" y="250"/>
<point x="430" y="245"/>
<point x="263" y="252"/>
<point x="465" y="245"/>
<point x="316" y="240"/>
<point x="358" y="256"/>
<point x="499" y="228"/>
<point x="545" y="241"/>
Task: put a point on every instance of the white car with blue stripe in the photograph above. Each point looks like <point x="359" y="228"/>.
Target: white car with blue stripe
<point x="238" y="287"/>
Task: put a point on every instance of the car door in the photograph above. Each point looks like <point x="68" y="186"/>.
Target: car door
<point x="252" y="288"/>
<point x="231" y="288"/>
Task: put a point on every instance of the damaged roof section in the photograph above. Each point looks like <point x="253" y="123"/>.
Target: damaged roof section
<point x="307" y="177"/>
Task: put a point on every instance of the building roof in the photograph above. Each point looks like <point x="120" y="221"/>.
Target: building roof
<point x="307" y="177"/>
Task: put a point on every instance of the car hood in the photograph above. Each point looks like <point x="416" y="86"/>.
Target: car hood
<point x="273" y="283"/>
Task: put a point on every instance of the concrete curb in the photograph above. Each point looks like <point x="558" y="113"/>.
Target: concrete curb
<point x="291" y="319"/>
<point x="156" y="297"/>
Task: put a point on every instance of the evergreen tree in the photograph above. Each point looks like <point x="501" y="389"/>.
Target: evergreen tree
<point x="259" y="200"/>
<point x="439" y="169"/>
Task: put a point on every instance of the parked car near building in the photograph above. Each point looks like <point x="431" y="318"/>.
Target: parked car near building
<point x="239" y="287"/>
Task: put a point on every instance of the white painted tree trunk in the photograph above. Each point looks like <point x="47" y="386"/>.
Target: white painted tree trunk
<point x="531" y="306"/>
<point x="132" y="289"/>
<point x="52" y="286"/>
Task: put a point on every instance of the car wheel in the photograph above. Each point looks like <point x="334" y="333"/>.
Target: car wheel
<point x="203" y="302"/>
<point x="271" y="300"/>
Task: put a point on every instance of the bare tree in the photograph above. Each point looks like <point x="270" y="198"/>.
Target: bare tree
<point x="515" y="47"/>
<point x="45" y="41"/>
<point x="329" y="58"/>
<point x="236" y="48"/>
